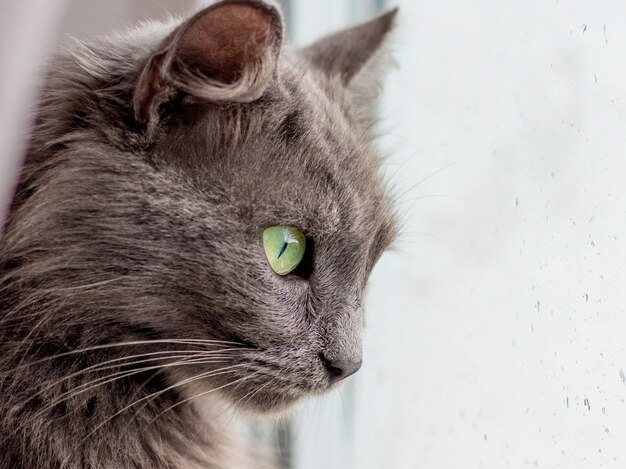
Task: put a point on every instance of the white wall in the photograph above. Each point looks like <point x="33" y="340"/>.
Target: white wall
<point x="28" y="32"/>
<point x="87" y="18"/>
<point x="497" y="331"/>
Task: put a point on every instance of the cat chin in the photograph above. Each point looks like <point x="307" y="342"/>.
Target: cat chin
<point x="279" y="405"/>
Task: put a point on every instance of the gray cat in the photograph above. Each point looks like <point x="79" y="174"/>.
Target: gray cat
<point x="195" y="224"/>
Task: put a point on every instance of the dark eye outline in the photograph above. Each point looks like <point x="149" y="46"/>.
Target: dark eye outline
<point x="306" y="266"/>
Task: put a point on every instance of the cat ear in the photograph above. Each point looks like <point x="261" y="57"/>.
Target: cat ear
<point x="348" y="52"/>
<point x="358" y="58"/>
<point x="227" y="52"/>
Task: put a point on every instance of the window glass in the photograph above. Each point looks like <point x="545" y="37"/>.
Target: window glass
<point x="495" y="332"/>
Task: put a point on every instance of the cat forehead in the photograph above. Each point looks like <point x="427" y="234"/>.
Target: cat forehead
<point x="295" y="155"/>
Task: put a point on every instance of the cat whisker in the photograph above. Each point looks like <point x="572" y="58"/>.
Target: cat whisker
<point x="111" y="378"/>
<point x="130" y="357"/>
<point x="195" y="342"/>
<point x="403" y="239"/>
<point x="17" y="349"/>
<point x="416" y="152"/>
<point x="245" y="378"/>
<point x="208" y="374"/>
<point x="101" y="366"/>
<point x="431" y="196"/>
<point x="398" y="198"/>
<point x="123" y="374"/>
<point x="241" y="402"/>
<point x="238" y="405"/>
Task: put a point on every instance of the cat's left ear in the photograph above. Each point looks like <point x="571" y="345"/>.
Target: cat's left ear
<point x="227" y="52"/>
<point x="357" y="57"/>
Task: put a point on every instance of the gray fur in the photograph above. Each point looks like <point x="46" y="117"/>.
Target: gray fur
<point x="130" y="237"/>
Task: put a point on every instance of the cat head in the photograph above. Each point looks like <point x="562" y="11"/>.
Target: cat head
<point x="159" y="158"/>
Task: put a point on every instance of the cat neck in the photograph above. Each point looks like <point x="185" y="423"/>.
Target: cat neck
<point x="87" y="410"/>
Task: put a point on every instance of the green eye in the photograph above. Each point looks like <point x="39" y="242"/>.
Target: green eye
<point x="284" y="247"/>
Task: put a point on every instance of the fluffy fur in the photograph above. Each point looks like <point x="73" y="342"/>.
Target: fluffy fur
<point x="135" y="297"/>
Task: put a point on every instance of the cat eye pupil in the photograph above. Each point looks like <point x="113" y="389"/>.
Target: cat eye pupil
<point x="284" y="248"/>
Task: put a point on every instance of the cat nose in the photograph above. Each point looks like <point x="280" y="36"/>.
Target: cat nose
<point x="341" y="368"/>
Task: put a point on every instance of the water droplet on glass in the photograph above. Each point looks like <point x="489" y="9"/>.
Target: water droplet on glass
<point x="586" y="402"/>
<point x="622" y="376"/>
<point x="583" y="28"/>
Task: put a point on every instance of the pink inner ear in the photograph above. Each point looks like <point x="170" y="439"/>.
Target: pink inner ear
<point x="227" y="40"/>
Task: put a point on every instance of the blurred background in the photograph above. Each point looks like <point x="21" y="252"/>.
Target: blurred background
<point x="496" y="331"/>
